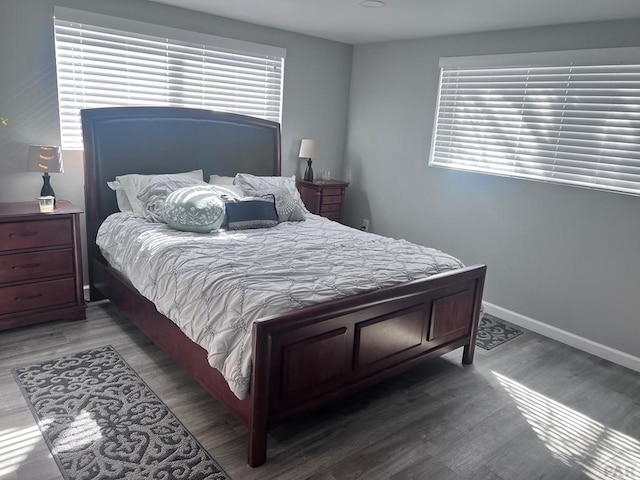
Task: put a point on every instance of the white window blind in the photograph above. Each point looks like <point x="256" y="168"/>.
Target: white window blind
<point x="106" y="61"/>
<point x="568" y="117"/>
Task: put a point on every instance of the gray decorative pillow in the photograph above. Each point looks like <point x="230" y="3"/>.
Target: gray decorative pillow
<point x="194" y="209"/>
<point x="252" y="184"/>
<point x="287" y="206"/>
<point x="155" y="193"/>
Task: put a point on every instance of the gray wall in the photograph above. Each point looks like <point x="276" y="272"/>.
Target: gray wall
<point x="565" y="256"/>
<point x="316" y="87"/>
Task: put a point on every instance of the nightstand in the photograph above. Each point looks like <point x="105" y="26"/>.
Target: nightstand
<point x="40" y="264"/>
<point x="324" y="197"/>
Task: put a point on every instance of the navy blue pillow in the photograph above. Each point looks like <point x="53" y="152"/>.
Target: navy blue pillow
<point x="251" y="212"/>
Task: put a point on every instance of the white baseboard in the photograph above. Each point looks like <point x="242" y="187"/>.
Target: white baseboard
<point x="581" y="343"/>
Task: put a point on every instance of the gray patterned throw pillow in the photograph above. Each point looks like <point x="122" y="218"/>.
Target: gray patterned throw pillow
<point x="251" y="184"/>
<point x="287" y="206"/>
<point x="194" y="209"/>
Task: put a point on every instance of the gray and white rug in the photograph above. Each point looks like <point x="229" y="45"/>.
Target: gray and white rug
<point x="493" y="332"/>
<point x="101" y="421"/>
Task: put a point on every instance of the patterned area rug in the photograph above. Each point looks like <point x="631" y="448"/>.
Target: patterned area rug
<point x="493" y="332"/>
<point x="101" y="421"/>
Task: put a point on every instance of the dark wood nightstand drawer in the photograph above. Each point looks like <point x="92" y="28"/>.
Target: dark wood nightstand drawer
<point x="32" y="266"/>
<point x="37" y="295"/>
<point x="326" y="200"/>
<point x="32" y="234"/>
<point x="332" y="191"/>
<point x="332" y="207"/>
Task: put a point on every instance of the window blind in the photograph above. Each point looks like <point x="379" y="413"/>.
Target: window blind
<point x="99" y="66"/>
<point x="555" y="121"/>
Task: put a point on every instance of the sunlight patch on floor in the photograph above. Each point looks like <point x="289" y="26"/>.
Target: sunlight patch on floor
<point x="575" y="439"/>
<point x="15" y="446"/>
<point x="17" y="443"/>
<point x="82" y="431"/>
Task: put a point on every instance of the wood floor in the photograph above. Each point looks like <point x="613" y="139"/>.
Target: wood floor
<point x="529" y="409"/>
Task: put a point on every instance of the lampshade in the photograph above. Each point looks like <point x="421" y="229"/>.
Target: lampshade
<point x="43" y="158"/>
<point x="308" y="148"/>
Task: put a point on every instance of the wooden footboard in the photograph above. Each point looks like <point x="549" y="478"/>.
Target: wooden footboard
<point x="309" y="357"/>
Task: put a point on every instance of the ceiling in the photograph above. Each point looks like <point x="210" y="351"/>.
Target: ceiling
<point x="347" y="21"/>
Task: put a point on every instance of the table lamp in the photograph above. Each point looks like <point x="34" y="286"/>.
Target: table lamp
<point x="47" y="159"/>
<point x="308" y="150"/>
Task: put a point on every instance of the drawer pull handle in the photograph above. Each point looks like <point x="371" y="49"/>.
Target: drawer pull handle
<point x="28" y="297"/>
<point x="25" y="266"/>
<point x="22" y="235"/>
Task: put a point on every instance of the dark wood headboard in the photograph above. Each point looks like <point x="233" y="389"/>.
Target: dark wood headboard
<point x="153" y="140"/>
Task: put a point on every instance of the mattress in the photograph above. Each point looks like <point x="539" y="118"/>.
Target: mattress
<point x="214" y="286"/>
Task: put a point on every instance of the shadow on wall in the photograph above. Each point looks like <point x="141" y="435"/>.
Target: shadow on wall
<point x="31" y="117"/>
<point x="293" y="153"/>
<point x="356" y="202"/>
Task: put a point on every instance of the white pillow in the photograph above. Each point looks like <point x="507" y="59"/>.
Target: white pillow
<point x="121" y="197"/>
<point x="228" y="192"/>
<point x="254" y="185"/>
<point x="220" y="180"/>
<point x="134" y="183"/>
<point x="225" y="186"/>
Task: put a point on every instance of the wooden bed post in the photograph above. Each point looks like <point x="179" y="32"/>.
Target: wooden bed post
<point x="469" y="349"/>
<point x="468" y="352"/>
<point x="259" y="418"/>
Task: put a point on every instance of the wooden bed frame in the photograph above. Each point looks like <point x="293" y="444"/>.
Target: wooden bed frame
<point x="304" y="358"/>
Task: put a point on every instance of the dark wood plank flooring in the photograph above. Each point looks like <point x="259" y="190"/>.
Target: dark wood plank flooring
<point x="529" y="409"/>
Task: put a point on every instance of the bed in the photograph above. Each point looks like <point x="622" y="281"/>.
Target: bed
<point x="303" y="358"/>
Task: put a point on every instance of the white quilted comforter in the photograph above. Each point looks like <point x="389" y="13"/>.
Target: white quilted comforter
<point x="214" y="286"/>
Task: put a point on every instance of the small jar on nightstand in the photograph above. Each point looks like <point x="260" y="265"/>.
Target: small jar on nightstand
<point x="324" y="197"/>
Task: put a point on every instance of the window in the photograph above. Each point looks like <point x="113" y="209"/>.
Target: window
<point x="105" y="61"/>
<point x="570" y="117"/>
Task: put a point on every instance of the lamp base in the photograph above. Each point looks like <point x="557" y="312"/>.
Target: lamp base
<point x="47" y="189"/>
<point x="308" y="174"/>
